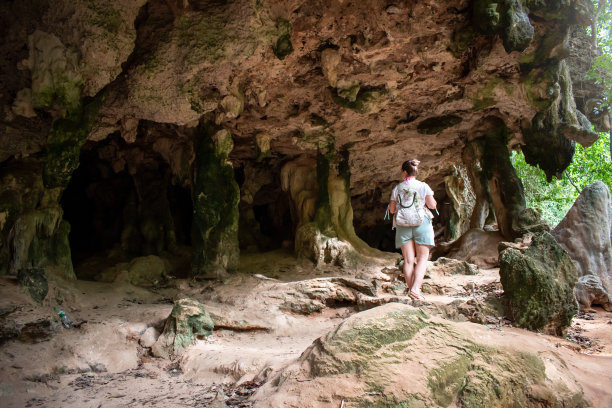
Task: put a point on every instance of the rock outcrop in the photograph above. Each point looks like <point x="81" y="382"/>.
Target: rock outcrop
<point x="187" y="321"/>
<point x="538" y="285"/>
<point x="586" y="234"/>
<point x="382" y="357"/>
<point x="144" y="127"/>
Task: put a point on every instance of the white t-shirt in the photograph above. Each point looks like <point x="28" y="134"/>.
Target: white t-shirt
<point x="422" y="188"/>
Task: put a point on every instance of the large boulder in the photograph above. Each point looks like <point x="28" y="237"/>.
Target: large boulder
<point x="538" y="285"/>
<point x="585" y="233"/>
<point x="383" y="357"/>
<point x="187" y="321"/>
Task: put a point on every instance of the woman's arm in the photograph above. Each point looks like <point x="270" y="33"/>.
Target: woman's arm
<point x="430" y="202"/>
<point x="392" y="207"/>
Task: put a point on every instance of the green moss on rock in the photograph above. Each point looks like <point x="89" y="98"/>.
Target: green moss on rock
<point x="378" y="346"/>
<point x="215" y="204"/>
<point x="105" y="16"/>
<point x="34" y="282"/>
<point x="484" y="97"/>
<point x="506" y="18"/>
<point x="385" y="401"/>
<point x="446" y="381"/>
<point x="188" y="320"/>
<point x="539" y="285"/>
<point x="283" y="46"/>
<point x="32" y="233"/>
<point x="203" y="35"/>
<point x="65" y="141"/>
<point x="546" y="144"/>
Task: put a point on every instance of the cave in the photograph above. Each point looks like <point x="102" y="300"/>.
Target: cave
<point x="264" y="211"/>
<point x="173" y="169"/>
<point x="94" y="204"/>
<point x="119" y="210"/>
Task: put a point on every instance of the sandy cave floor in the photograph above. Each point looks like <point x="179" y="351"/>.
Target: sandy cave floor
<point x="102" y="364"/>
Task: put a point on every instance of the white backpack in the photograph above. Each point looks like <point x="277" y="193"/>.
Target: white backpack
<point x="410" y="209"/>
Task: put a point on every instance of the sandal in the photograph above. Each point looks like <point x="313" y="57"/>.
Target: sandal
<point x="416" y="296"/>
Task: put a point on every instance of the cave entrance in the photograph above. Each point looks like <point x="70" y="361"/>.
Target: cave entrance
<point x="265" y="216"/>
<point x="122" y="202"/>
<point x="94" y="204"/>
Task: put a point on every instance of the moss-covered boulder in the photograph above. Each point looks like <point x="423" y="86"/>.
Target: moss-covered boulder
<point x="539" y="285"/>
<point x="383" y="358"/>
<point x="187" y="322"/>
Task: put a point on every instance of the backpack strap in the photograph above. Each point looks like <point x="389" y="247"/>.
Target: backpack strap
<point x="399" y="198"/>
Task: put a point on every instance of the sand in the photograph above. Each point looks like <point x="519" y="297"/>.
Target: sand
<point x="102" y="363"/>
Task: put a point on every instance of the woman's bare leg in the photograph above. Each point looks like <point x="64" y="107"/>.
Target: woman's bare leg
<point x="422" y="255"/>
<point x="408" y="253"/>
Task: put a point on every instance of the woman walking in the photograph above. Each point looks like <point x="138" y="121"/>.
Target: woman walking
<point x="410" y="203"/>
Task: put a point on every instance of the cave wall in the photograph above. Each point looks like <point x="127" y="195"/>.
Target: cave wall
<point x="216" y="101"/>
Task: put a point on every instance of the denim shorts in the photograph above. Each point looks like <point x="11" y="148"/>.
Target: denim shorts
<point x="422" y="234"/>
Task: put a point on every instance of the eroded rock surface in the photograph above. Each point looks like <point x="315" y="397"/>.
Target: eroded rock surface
<point x="188" y="320"/>
<point x="539" y="285"/>
<point x="586" y="234"/>
<point x="177" y="111"/>
<point x="366" y="358"/>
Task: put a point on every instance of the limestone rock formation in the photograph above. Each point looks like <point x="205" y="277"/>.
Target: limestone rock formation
<point x="34" y="281"/>
<point x="186" y="322"/>
<point x="382" y="357"/>
<point x="538" y="285"/>
<point x="475" y="246"/>
<point x="586" y="234"/>
<point x="146" y="127"/>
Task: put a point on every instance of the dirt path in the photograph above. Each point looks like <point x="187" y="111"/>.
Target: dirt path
<point x="102" y="364"/>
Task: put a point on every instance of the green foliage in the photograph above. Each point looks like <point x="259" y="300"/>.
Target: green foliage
<point x="592" y="164"/>
<point x="554" y="199"/>
<point x="601" y="71"/>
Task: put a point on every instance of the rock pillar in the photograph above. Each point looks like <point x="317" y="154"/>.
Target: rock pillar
<point x="215" y="205"/>
<point x="321" y="210"/>
<point x="505" y="188"/>
<point x="462" y="198"/>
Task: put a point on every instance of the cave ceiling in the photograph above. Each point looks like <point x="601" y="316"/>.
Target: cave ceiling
<point x="382" y="80"/>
